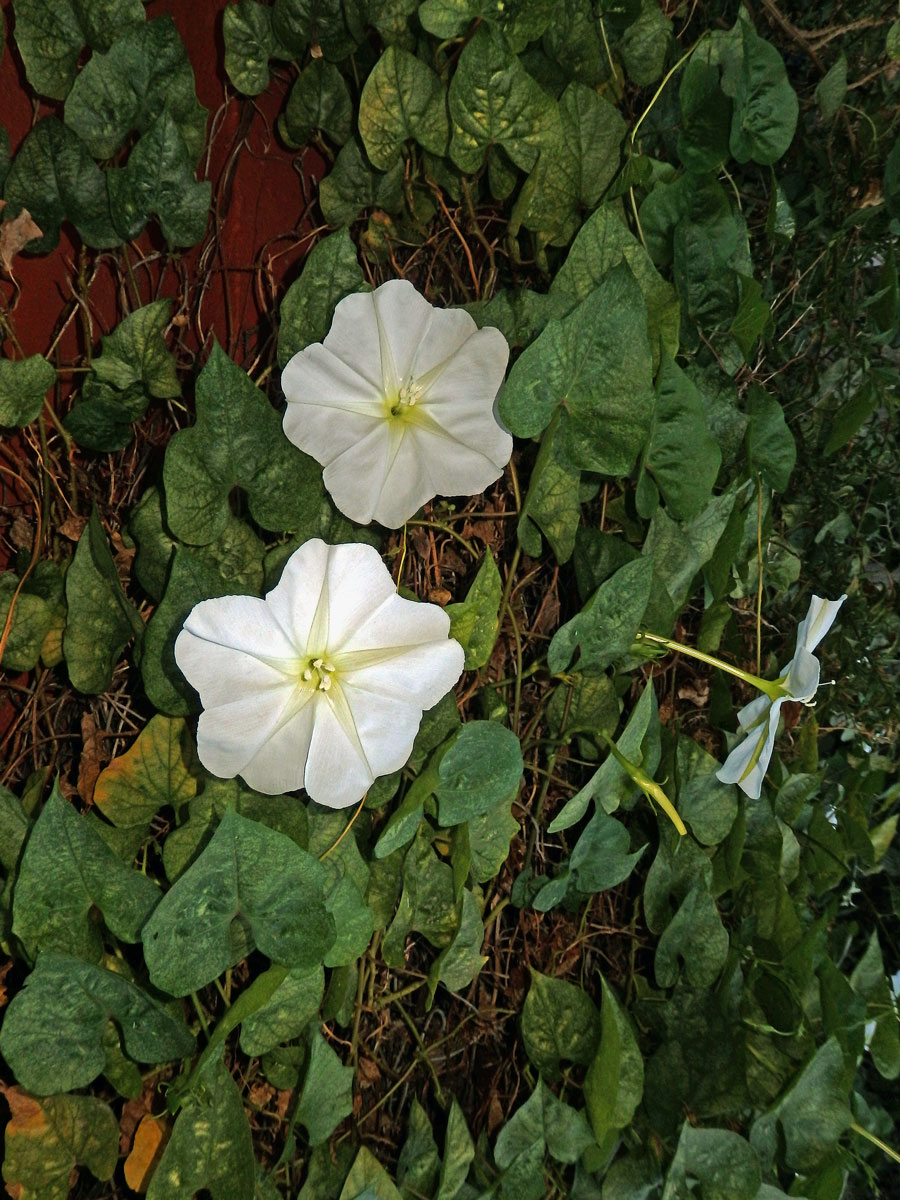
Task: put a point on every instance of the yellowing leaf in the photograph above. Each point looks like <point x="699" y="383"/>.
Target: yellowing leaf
<point x="152" y="773"/>
<point x="47" y="1137"/>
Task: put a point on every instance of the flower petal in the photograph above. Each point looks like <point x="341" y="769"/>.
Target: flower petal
<point x="336" y="774"/>
<point x="231" y="735"/>
<point x="317" y="376"/>
<point x="399" y="624"/>
<point x="279" y="765"/>
<point x="377" y="333"/>
<point x="260" y="659"/>
<point x="381" y="479"/>
<point x="423" y="675"/>
<point x="355" y="477"/>
<point x="296" y="600"/>
<point x="819" y="619"/>
<point x="472" y="376"/>
<point x="358" y="585"/>
<point x="749" y="715"/>
<point x="445" y="465"/>
<point x="447" y="333"/>
<point x="748" y="762"/>
<point x="404" y="317"/>
<point x="330" y="407"/>
<point x="241" y="623"/>
<point x="802" y="677"/>
<point x="354" y="337"/>
<point x="472" y="425"/>
<point x="386" y="727"/>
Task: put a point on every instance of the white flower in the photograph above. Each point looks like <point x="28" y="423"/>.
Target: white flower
<point x="323" y="683"/>
<point x="397" y="404"/>
<point x="746" y="765"/>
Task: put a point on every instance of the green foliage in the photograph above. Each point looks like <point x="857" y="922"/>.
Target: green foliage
<point x="158" y="180"/>
<point x="481" y="768"/>
<point x="701" y="296"/>
<point x="249" y="44"/>
<point x="559" y="1023"/>
<point x="319" y="100"/>
<point x="722" y="1162"/>
<point x="23" y="386"/>
<point x="138" y="80"/>
<point x="136" y="353"/>
<point x="330" y="272"/>
<point x="101" y="620"/>
<point x="474" y="621"/>
<point x="55" y="178"/>
<point x="765" y="104"/>
<point x="53" y="1035"/>
<point x="607" y="625"/>
<point x="210" y="1146"/>
<point x="236" y="441"/>
<point x="66" y="873"/>
<point x="152" y="774"/>
<point x="595" y="366"/>
<point x="225" y="904"/>
<point x="284" y="1017"/>
<point x="495" y="102"/>
<point x="144" y="74"/>
<point x="326" y="1095"/>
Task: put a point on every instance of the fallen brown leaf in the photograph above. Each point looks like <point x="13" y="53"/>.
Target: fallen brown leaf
<point x="72" y="527"/>
<point x="149" y="1140"/>
<point x="367" y="1072"/>
<point x="92" y="756"/>
<point x="260" y="1094"/>
<point x="133" y="1113"/>
<point x="15" y="236"/>
<point x="697" y="692"/>
<point x="4" y="971"/>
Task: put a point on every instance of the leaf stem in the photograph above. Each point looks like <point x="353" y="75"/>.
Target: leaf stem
<point x="251" y="1000"/>
<point x="659" y="91"/>
<point x="876" y="1141"/>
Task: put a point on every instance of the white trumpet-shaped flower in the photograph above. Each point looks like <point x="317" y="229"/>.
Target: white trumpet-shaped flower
<point x="323" y="683"/>
<point x="746" y="765"/>
<point x="397" y="404"/>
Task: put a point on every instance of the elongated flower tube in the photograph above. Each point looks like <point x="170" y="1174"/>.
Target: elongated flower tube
<point x="323" y="683"/>
<point x="748" y="762"/>
<point x="651" y="789"/>
<point x="397" y="404"/>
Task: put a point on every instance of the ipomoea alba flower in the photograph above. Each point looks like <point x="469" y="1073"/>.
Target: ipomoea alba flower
<point x="322" y="684"/>
<point x="746" y="765"/>
<point x="397" y="404"/>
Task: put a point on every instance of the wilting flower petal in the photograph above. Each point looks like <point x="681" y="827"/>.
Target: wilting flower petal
<point x="748" y="762"/>
<point x="397" y="404"/>
<point x="323" y="683"/>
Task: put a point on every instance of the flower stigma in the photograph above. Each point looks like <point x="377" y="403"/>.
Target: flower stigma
<point x="319" y="673"/>
<point x="407" y="397"/>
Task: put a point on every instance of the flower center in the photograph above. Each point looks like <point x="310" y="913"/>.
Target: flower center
<point x="406" y="399"/>
<point x="319" y="673"/>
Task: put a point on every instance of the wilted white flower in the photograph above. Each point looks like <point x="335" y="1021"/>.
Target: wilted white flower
<point x="397" y="404"/>
<point x="322" y="684"/>
<point x="746" y="765"/>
